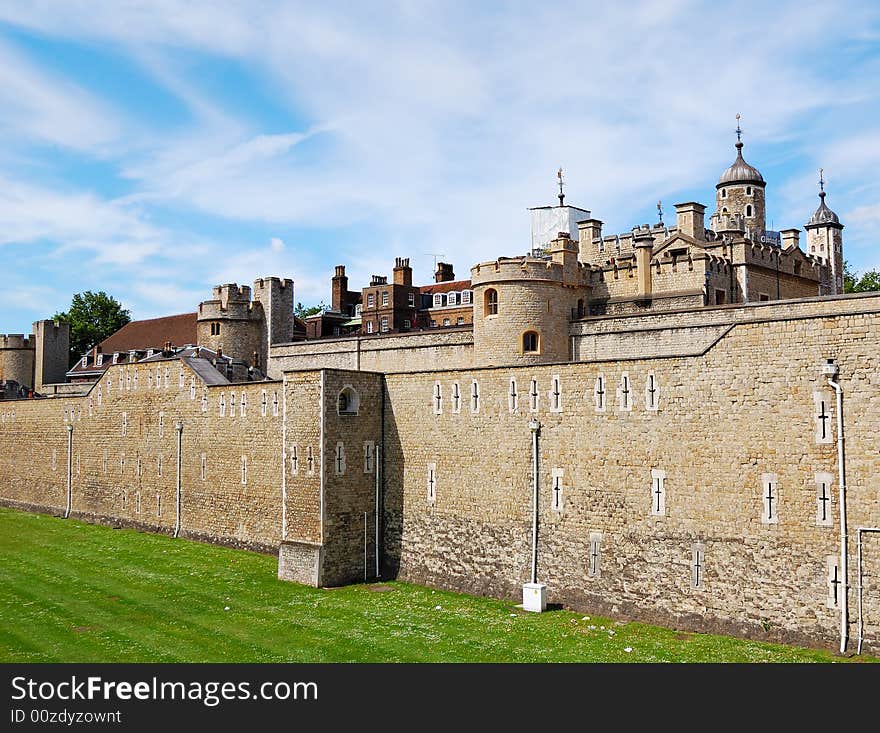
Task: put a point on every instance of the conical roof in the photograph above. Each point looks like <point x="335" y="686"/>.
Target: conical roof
<point x="740" y="171"/>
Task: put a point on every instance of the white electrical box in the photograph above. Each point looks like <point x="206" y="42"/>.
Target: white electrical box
<point x="534" y="597"/>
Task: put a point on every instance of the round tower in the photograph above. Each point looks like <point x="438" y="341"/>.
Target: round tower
<point x="523" y="306"/>
<point x="825" y="242"/>
<point x="17" y="359"/>
<point x="228" y="322"/>
<point x="740" y="190"/>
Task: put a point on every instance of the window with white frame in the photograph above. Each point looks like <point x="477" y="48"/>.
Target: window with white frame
<point x="384" y="298"/>
<point x="456" y="397"/>
<point x="556" y="490"/>
<point x="339" y="461"/>
<point x="159" y="465"/>
<point x="203" y="472"/>
<point x="294" y="459"/>
<point x="204" y="400"/>
<point x="437" y="398"/>
<point x="407" y="323"/>
<point x="310" y="460"/>
<point x="432" y="483"/>
<point x="222" y="402"/>
<point x="274" y="404"/>
<point x="652" y="392"/>
<point x="411" y="299"/>
<point x="834" y="581"/>
<point x="244" y="469"/>
<point x="475" y="396"/>
<point x="180" y="378"/>
<point x="555" y="394"/>
<point x="438" y="300"/>
<point x="192" y="388"/>
<point x="451" y="298"/>
<point x="371" y="300"/>
<point x="91" y="406"/>
<point x="822" y="417"/>
<point x="534" y="395"/>
<point x="264" y="403"/>
<point x="369" y="327"/>
<point x="149" y="379"/>
<point x="124" y="423"/>
<point x="167" y="376"/>
<point x="466" y="297"/>
<point x="658" y="492"/>
<point x="243" y="404"/>
<point x="134" y="380"/>
<point x="232" y="404"/>
<point x="624" y="393"/>
<point x="824" y="482"/>
<point x="161" y="423"/>
<point x="384" y="323"/>
<point x="512" y="396"/>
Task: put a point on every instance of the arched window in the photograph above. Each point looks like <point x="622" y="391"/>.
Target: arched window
<point x="748" y="190"/>
<point x="491" y="302"/>
<point x="530" y="342"/>
<point x="348" y="401"/>
<point x="724" y="193"/>
<point x="724" y="210"/>
<point x="749" y="210"/>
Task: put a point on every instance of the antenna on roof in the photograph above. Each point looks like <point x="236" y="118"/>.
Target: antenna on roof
<point x="561" y="184"/>
<point x="435" y="255"/>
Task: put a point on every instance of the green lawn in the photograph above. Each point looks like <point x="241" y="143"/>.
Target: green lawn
<point x="74" y="592"/>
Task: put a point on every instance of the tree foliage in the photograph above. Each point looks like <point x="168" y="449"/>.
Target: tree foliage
<point x="92" y="318"/>
<point x="853" y="282"/>
<point x="302" y="311"/>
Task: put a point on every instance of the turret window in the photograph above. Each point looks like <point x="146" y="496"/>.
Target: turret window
<point x="748" y="190"/>
<point x="491" y="302"/>
<point x="724" y="193"/>
<point x="530" y="342"/>
<point x="749" y="210"/>
<point x="215" y="329"/>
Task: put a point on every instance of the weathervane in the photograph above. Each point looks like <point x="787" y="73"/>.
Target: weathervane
<point x="738" y="130"/>
<point x="660" y="210"/>
<point x="561" y="184"/>
<point x="822" y="182"/>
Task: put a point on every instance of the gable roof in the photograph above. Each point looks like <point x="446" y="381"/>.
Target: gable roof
<point x="445" y="287"/>
<point x="152" y="333"/>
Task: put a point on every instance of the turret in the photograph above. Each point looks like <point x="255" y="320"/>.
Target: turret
<point x="825" y="242"/>
<point x="741" y="191"/>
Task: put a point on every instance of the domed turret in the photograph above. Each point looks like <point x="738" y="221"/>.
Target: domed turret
<point x="740" y="194"/>
<point x="825" y="242"/>
<point x="740" y="171"/>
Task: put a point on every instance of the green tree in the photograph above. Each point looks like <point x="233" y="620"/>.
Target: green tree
<point x="302" y="311"/>
<point x="92" y="318"/>
<point x="854" y="283"/>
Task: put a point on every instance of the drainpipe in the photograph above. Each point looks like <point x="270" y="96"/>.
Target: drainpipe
<point x="69" y="470"/>
<point x="179" y="428"/>
<point x="534" y="426"/>
<point x="831" y="370"/>
<point x="376" y="510"/>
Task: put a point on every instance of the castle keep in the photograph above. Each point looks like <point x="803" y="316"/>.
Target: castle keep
<point x="665" y="394"/>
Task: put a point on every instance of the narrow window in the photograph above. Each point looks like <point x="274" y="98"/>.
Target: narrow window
<point x="100" y="396"/>
<point x="54" y="459"/>
<point x="459" y="321"/>
<point x="149" y="378"/>
<point x="834" y="581"/>
<point x="824" y="482"/>
<point x="243" y="404"/>
<point x="369" y="448"/>
<point x="205" y="401"/>
<point x="384" y="324"/>
<point x="161" y="423"/>
<point x="384" y="297"/>
<point x="599" y="393"/>
<point x="159" y="465"/>
<point x="512" y="397"/>
<point x="232" y="404"/>
<point x="294" y="459"/>
<point x="475" y="396"/>
<point x="204" y="467"/>
<point x="556" y="497"/>
<point x="122" y="464"/>
<point x="124" y="497"/>
<point x="134" y="379"/>
<point x="222" y="404"/>
<point x="244" y="470"/>
<point x="137" y="502"/>
<point x="770" y="498"/>
<point x="822" y="414"/>
<point x="411" y="299"/>
<point x="749" y="210"/>
<point x="128" y="381"/>
<point x="274" y="404"/>
<point x="180" y="378"/>
<point x="491" y="302"/>
<point x="446" y="322"/>
<point x="369" y="327"/>
<point x="91" y="406"/>
<point x="158" y="505"/>
<point x="652" y="392"/>
<point x="167" y="377"/>
<point x="264" y="403"/>
<point x="438" y="300"/>
<point x="724" y="193"/>
<point x="698" y="552"/>
<point x="594" y="567"/>
<point x="555" y="394"/>
<point x="407" y="323"/>
<point x="624" y="402"/>
<point x="310" y="460"/>
<point x="451" y="298"/>
<point x="438" y="398"/>
<point x="533" y="395"/>
<point x="432" y="482"/>
<point x="192" y="388"/>
<point x="658" y="492"/>
<point x="530" y="342"/>
<point x="124" y="423"/>
<point x="104" y="463"/>
<point x="340" y="459"/>
<point x="748" y="190"/>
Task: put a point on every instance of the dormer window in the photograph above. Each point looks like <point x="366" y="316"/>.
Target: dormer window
<point x="466" y="297"/>
<point x="115" y="358"/>
<point x="84" y="362"/>
<point x="150" y="352"/>
<point x="100" y="360"/>
<point x="357" y="309"/>
<point x="451" y="298"/>
<point x="438" y="300"/>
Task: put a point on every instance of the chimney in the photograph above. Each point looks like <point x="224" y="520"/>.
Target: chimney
<point x="220" y="351"/>
<point x="644" y="246"/>
<point x="791" y="239"/>
<point x="167" y="348"/>
<point x="378" y="280"/>
<point x="444" y="273"/>
<point x="402" y="271"/>
<point x="691" y="220"/>
<point x="339" y="288"/>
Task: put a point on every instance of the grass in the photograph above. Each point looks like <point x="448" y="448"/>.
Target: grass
<point x="74" y="592"/>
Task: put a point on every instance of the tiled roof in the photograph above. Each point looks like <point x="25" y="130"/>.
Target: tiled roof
<point x="152" y="334"/>
<point x="445" y="287"/>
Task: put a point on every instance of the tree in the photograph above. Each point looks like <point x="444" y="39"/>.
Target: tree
<point x="92" y="318"/>
<point x="302" y="311"/>
<point x="854" y="283"/>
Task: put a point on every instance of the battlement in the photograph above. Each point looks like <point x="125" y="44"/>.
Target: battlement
<point x="263" y="282"/>
<point x="727" y="223"/>
<point x="16" y="341"/>
<point x="516" y="268"/>
<point x="231" y="293"/>
<point x="230" y="301"/>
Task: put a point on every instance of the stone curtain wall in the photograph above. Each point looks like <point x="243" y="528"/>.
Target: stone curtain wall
<point x="124" y="455"/>
<point x="724" y="420"/>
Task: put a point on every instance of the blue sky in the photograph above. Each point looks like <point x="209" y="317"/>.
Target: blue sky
<point x="155" y="149"/>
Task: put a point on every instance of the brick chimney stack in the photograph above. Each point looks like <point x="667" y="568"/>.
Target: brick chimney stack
<point x="444" y="273"/>
<point x="402" y="271"/>
<point x="339" y="287"/>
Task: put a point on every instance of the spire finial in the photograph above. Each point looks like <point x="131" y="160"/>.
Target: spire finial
<point x="822" y="183"/>
<point x="739" y="143"/>
<point x="660" y="210"/>
<point x="561" y="184"/>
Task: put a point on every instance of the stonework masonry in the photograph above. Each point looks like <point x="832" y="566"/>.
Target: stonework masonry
<point x="725" y="397"/>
